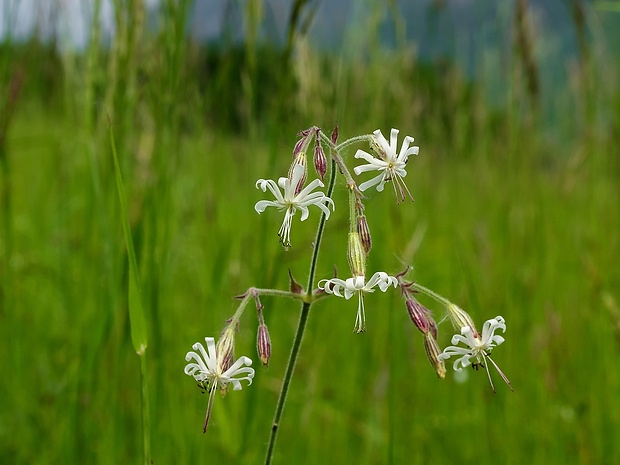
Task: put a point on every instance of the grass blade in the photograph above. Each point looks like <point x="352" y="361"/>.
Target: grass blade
<point x="137" y="321"/>
<point x="136" y="311"/>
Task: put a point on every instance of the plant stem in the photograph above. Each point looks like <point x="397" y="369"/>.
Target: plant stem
<point x="432" y="294"/>
<point x="301" y="327"/>
<point x="290" y="367"/>
<point x="281" y="293"/>
<point x="336" y="149"/>
<point x="146" y="415"/>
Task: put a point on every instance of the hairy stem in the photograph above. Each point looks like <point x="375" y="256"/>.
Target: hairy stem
<point x="432" y="294"/>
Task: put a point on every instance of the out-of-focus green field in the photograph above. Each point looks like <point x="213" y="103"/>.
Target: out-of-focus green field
<point x="513" y="216"/>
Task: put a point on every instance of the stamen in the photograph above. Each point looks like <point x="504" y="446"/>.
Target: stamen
<point x="285" y="230"/>
<point x="360" y="320"/>
<point x="403" y="188"/>
<point x="501" y="373"/>
<point x="209" y="406"/>
<point x="486" y="367"/>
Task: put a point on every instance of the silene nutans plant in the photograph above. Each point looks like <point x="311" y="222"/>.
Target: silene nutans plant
<point x="213" y="365"/>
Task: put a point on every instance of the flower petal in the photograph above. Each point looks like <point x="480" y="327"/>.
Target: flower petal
<point x="393" y="142"/>
<point x="310" y="187"/>
<point x="273" y="188"/>
<point x="365" y="155"/>
<point x="323" y="207"/>
<point x="405" y="150"/>
<point x="261" y="205"/>
<point x="383" y="143"/>
<point x="304" y="212"/>
<point x="380" y="180"/>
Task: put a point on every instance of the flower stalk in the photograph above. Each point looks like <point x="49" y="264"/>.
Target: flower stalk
<point x="301" y="326"/>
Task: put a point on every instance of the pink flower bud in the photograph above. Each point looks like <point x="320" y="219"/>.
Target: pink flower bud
<point x="320" y="161"/>
<point x="364" y="232"/>
<point x="335" y="135"/>
<point x="263" y="344"/>
<point x="419" y="315"/>
<point x="304" y="141"/>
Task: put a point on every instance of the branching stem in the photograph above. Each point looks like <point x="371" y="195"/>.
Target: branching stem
<point x="301" y="326"/>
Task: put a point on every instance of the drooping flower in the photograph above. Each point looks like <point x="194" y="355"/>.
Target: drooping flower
<point x="358" y="285"/>
<point x="479" y="347"/>
<point x="209" y="370"/>
<point x="291" y="202"/>
<point x="389" y="162"/>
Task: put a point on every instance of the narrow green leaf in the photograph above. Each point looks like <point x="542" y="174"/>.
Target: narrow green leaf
<point x="136" y="310"/>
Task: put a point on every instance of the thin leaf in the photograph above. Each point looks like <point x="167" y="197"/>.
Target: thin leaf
<point x="136" y="309"/>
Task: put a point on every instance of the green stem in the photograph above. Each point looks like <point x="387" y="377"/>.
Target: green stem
<point x="290" y="367"/>
<point x="336" y="149"/>
<point x="146" y="415"/>
<point x="433" y="295"/>
<point x="6" y="203"/>
<point x="353" y="140"/>
<point x="339" y="147"/>
<point x="281" y="293"/>
<point x="301" y="327"/>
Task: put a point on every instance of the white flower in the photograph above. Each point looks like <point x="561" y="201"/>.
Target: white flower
<point x="478" y="348"/>
<point x="358" y="285"/>
<point x="210" y="374"/>
<point x="391" y="165"/>
<point x="291" y="202"/>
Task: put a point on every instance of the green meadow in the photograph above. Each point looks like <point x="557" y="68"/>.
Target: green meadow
<point x="516" y="213"/>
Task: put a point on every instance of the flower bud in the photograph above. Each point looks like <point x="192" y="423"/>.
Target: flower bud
<point x="364" y="231"/>
<point x="432" y="352"/>
<point x="306" y="137"/>
<point x="298" y="145"/>
<point x="356" y="255"/>
<point x="461" y="318"/>
<point x="302" y="144"/>
<point x="419" y="315"/>
<point x="320" y="161"/>
<point x="334" y="135"/>
<point x="263" y="344"/>
<point x="432" y="326"/>
<point x="300" y="159"/>
<point x="294" y="286"/>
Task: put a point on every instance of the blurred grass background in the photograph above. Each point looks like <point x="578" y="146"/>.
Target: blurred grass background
<point x="516" y="214"/>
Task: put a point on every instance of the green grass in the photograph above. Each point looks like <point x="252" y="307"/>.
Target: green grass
<point x="509" y="219"/>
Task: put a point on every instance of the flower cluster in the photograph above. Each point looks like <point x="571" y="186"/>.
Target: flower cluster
<point x="216" y="368"/>
<point x="386" y="160"/>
